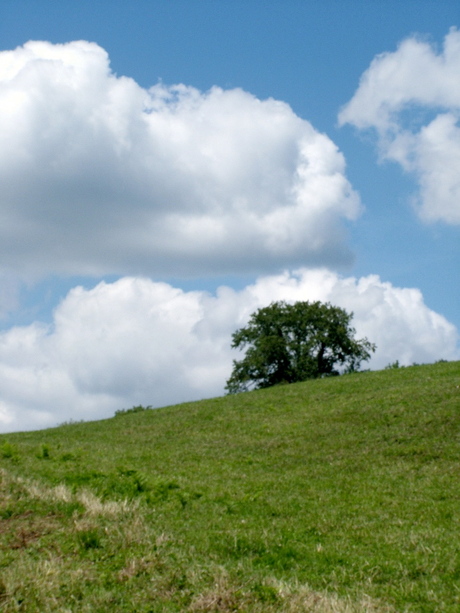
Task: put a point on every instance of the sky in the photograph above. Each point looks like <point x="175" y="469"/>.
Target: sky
<point x="169" y="167"/>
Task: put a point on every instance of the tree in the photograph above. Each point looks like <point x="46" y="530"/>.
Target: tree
<point x="294" y="342"/>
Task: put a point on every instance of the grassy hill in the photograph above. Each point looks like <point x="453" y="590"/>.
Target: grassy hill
<point x="333" y="495"/>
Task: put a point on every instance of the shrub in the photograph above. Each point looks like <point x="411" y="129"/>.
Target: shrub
<point x="136" y="409"/>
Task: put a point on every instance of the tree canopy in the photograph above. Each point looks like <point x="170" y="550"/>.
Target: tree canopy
<point x="294" y="342"/>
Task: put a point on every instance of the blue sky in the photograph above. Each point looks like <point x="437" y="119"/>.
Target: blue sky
<point x="295" y="162"/>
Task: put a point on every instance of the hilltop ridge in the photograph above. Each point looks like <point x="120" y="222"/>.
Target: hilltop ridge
<point x="338" y="494"/>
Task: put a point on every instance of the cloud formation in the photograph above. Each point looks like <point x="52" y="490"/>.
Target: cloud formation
<point x="138" y="341"/>
<point x="411" y="97"/>
<point x="100" y="176"/>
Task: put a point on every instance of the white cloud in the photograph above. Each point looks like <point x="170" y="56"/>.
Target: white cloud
<point x="102" y="176"/>
<point x="136" y="341"/>
<point x="411" y="97"/>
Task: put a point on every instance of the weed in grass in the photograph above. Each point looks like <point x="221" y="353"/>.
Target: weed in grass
<point x="265" y="593"/>
<point x="6" y="512"/>
<point x="161" y="491"/>
<point x="135" y="568"/>
<point x="135" y="481"/>
<point x="43" y="452"/>
<point x="68" y="457"/>
<point x="8" y="451"/>
<point x="89" y="539"/>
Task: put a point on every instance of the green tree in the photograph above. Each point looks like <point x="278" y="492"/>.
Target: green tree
<point x="294" y="342"/>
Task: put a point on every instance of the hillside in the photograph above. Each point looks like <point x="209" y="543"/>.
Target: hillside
<point x="340" y="494"/>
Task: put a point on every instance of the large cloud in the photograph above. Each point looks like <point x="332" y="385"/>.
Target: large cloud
<point x="136" y="341"/>
<point x="411" y="97"/>
<point x="101" y="176"/>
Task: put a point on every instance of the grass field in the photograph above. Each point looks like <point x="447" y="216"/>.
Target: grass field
<point x="333" y="495"/>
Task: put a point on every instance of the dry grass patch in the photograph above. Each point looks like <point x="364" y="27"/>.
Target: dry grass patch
<point x="112" y="508"/>
<point x="61" y="493"/>
<point x="272" y="596"/>
<point x="300" y="598"/>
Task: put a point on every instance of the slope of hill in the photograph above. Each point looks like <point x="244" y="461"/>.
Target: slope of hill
<point x="339" y="494"/>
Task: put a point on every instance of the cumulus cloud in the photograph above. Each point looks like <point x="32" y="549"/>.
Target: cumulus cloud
<point x="138" y="341"/>
<point x="411" y="97"/>
<point x="100" y="175"/>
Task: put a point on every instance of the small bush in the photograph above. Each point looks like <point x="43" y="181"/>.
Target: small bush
<point x="136" y="409"/>
<point x="7" y="450"/>
<point x="43" y="452"/>
<point x="393" y="365"/>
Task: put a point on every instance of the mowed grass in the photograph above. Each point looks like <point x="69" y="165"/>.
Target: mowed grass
<point x="333" y="495"/>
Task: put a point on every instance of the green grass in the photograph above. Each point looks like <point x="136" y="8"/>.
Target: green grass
<point x="333" y="495"/>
